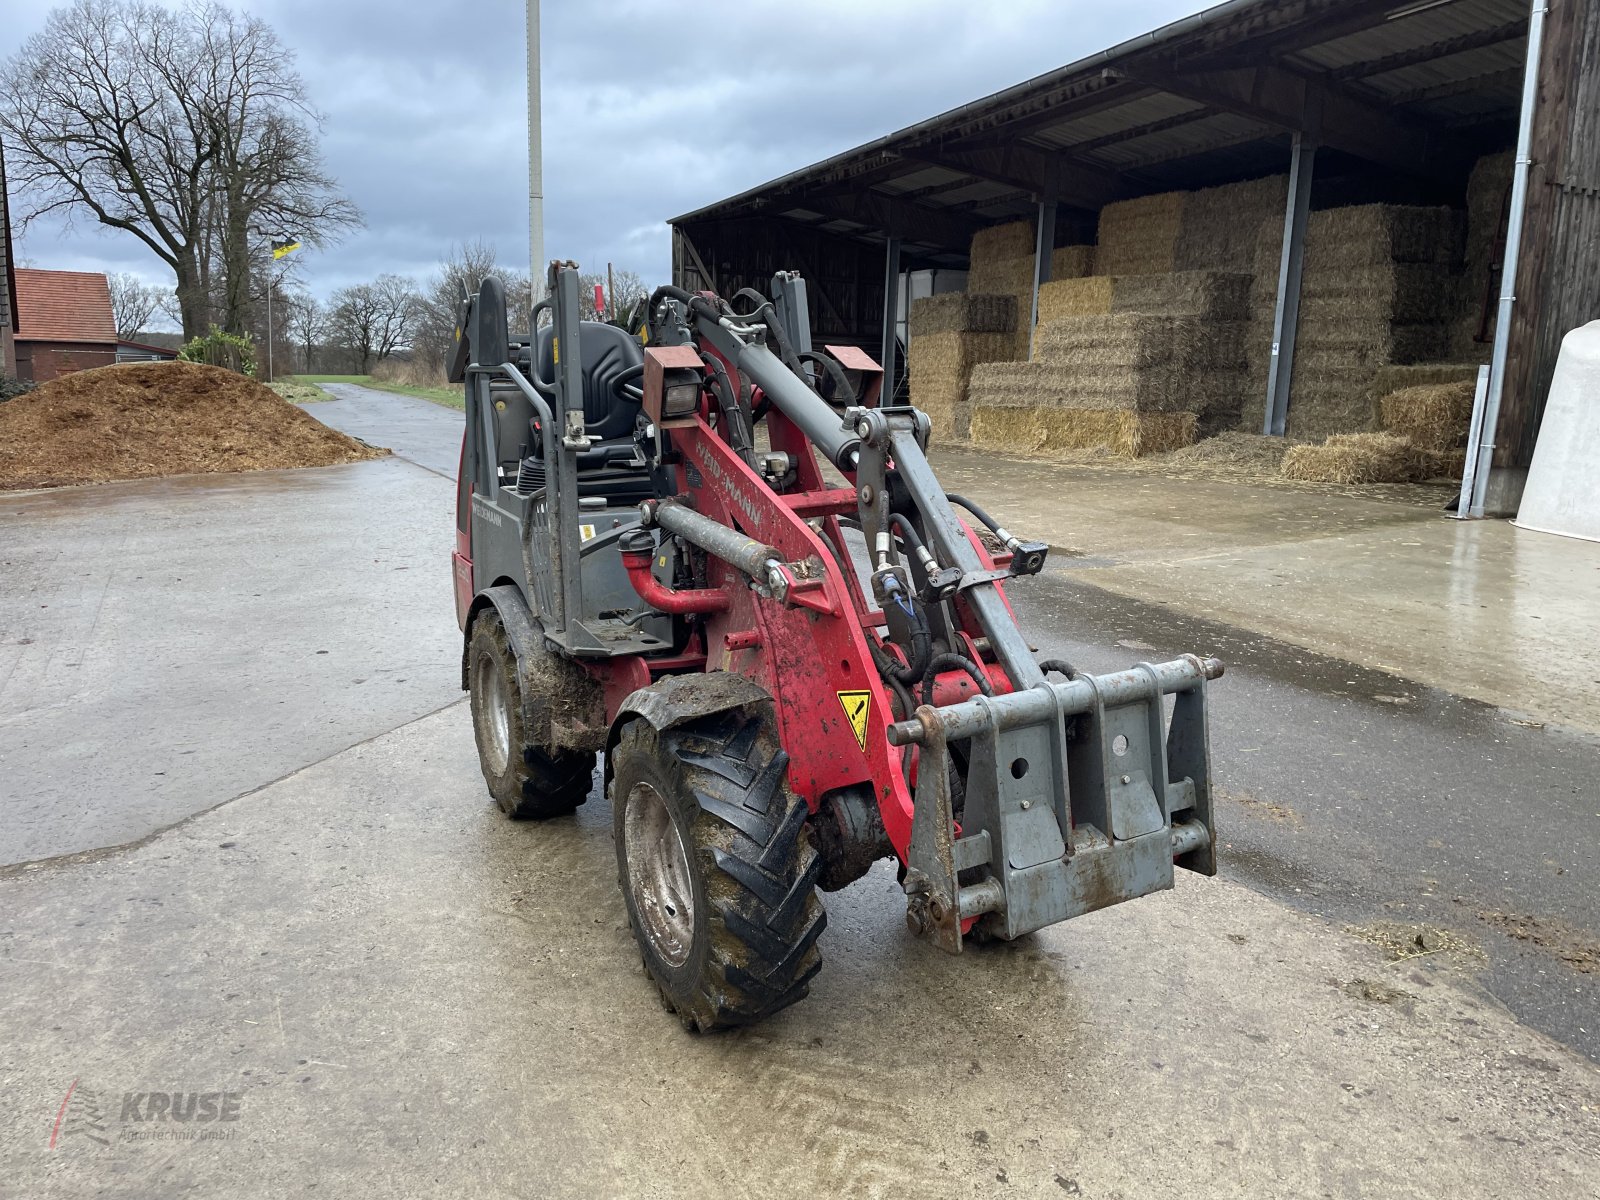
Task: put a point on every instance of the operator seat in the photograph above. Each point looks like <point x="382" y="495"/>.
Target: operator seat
<point x="607" y="353"/>
<point x="605" y="469"/>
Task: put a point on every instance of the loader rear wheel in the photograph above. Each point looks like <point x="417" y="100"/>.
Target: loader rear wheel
<point x="526" y="780"/>
<point x="716" y="866"/>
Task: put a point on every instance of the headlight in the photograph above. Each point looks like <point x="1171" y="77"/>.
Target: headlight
<point x="680" y="397"/>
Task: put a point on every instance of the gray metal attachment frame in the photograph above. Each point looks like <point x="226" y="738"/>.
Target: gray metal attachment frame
<point x="1078" y="795"/>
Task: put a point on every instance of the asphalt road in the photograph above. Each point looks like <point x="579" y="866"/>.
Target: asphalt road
<point x="1364" y="798"/>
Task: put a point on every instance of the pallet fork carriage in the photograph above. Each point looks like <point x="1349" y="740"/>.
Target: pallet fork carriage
<point x="790" y="678"/>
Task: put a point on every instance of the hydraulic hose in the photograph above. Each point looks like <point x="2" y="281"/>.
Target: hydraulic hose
<point x="907" y="531"/>
<point x="945" y="662"/>
<point x="741" y="427"/>
<point x="921" y="646"/>
<point x="689" y="300"/>
<point x="845" y="394"/>
<point x="983" y="517"/>
<point x="1060" y="666"/>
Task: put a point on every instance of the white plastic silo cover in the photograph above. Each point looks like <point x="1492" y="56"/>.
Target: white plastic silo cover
<point x="1563" y="490"/>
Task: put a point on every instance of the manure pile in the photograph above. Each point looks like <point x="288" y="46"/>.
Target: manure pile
<point x="144" y="420"/>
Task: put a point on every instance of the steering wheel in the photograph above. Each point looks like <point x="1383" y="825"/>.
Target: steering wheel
<point x="625" y="386"/>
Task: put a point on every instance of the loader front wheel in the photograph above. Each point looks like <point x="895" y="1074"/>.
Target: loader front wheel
<point x="717" y="871"/>
<point x="528" y="781"/>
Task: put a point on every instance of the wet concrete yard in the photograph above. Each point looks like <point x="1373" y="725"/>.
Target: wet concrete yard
<point x="166" y="645"/>
<point x="412" y="996"/>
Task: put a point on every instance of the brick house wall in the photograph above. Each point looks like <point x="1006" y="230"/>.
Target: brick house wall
<point x="44" y="361"/>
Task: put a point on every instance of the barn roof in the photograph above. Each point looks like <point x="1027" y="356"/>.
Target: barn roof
<point x="64" y="306"/>
<point x="1408" y="85"/>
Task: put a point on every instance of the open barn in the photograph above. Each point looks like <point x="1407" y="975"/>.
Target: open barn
<point x="1285" y="211"/>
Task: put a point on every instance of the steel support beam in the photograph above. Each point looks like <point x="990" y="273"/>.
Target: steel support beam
<point x="1279" y="98"/>
<point x="891" y="313"/>
<point x="1029" y="169"/>
<point x="1443" y="48"/>
<point x="1286" y="314"/>
<point x="875" y="210"/>
<point x="1044" y="244"/>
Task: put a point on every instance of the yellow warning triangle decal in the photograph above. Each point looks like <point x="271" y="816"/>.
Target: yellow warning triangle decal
<point x="857" y="707"/>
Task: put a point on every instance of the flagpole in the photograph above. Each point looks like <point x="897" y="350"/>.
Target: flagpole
<point x="535" y="160"/>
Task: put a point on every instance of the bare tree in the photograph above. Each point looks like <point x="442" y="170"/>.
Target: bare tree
<point x="629" y="291"/>
<point x="307" y="325"/>
<point x="373" y="320"/>
<point x="459" y="273"/>
<point x="133" y="303"/>
<point x="182" y="129"/>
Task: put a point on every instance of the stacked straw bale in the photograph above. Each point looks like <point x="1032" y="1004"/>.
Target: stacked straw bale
<point x="1139" y="237"/>
<point x="1085" y="297"/>
<point x="1129" y="381"/>
<point x="1218" y="228"/>
<point x="1409" y="375"/>
<point x="1376" y="290"/>
<point x="1215" y="296"/>
<point x="1432" y="416"/>
<point x="1129" y="434"/>
<point x="950" y="334"/>
<point x="1165" y="351"/>
<point x="1001" y="263"/>
<point x="962" y="312"/>
<point x="1071" y="262"/>
<point x="1488" y="190"/>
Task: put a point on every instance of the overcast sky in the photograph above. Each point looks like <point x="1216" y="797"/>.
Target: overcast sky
<point x="650" y="110"/>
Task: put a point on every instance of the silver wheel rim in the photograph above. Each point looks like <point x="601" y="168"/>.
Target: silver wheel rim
<point x="494" y="711"/>
<point x="658" y="875"/>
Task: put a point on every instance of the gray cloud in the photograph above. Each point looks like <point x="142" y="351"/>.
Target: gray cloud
<point x="649" y="110"/>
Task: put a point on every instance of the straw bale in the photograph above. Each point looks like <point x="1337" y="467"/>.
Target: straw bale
<point x="1355" y="458"/>
<point x="1130" y="341"/>
<point x="1082" y="297"/>
<point x="1394" y="377"/>
<point x="1487" y="194"/>
<point x="1011" y="240"/>
<point x="1127" y="361"/>
<point x="1330" y="400"/>
<point x="1001" y="276"/>
<point x="1406" y="292"/>
<point x="1374" y="234"/>
<point x="1446" y="464"/>
<point x="1071" y="262"/>
<point x="1139" y="237"/>
<point x="963" y="312"/>
<point x="941" y="367"/>
<point x="1034" y="430"/>
<point x="1433" y="416"/>
<point x="1218" y="227"/>
<point x="1208" y="295"/>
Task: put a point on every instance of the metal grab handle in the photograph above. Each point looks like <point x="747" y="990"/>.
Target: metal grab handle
<point x="972" y="717"/>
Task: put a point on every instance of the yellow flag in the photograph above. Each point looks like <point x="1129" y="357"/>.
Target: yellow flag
<point x="279" y="249"/>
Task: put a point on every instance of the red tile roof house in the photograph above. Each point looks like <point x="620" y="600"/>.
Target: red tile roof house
<point x="64" y="323"/>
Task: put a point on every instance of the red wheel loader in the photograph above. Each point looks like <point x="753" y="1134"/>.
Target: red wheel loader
<point x="713" y="555"/>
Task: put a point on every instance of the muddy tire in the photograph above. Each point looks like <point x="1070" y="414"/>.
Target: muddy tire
<point x="527" y="781"/>
<point x="716" y="866"/>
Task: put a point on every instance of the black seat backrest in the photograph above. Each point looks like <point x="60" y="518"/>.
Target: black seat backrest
<point x="607" y="352"/>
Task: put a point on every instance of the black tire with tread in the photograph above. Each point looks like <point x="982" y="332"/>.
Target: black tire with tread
<point x="537" y="784"/>
<point x="724" y="780"/>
